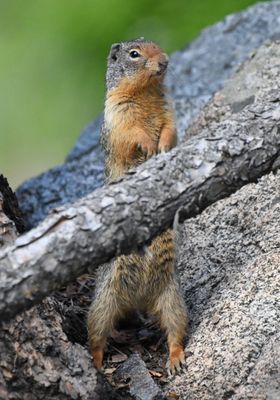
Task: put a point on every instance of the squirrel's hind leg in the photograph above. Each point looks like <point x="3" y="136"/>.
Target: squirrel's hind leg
<point x="103" y="315"/>
<point x="170" y="311"/>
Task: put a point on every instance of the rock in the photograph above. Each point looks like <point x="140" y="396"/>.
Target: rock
<point x="247" y="87"/>
<point x="229" y="265"/>
<point x="39" y="362"/>
<point x="202" y="68"/>
<point x="60" y="185"/>
<point x="141" y="384"/>
<point x="195" y="73"/>
<point x="88" y="140"/>
<point x="264" y="379"/>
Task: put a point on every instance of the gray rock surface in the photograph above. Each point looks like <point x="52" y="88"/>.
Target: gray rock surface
<point x="253" y="80"/>
<point x="195" y="73"/>
<point x="229" y="265"/>
<point x="141" y="384"/>
<point x="60" y="185"/>
<point x="88" y="141"/>
<point x="200" y="70"/>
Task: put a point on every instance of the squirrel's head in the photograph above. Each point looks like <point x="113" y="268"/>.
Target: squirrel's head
<point x="142" y="61"/>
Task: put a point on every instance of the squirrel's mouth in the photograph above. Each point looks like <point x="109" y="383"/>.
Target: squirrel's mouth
<point x="162" y="66"/>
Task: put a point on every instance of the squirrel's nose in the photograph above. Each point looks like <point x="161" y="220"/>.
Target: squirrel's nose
<point x="165" y="56"/>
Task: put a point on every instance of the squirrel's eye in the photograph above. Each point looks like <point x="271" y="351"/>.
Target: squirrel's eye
<point x="134" y="54"/>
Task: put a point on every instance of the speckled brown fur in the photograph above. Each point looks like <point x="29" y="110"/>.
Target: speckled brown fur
<point x="138" y="124"/>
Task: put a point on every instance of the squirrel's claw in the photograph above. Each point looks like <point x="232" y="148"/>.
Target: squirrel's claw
<point x="148" y="151"/>
<point x="176" y="364"/>
<point x="163" y="148"/>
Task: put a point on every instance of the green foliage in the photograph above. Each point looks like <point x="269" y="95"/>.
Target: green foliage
<point x="52" y="65"/>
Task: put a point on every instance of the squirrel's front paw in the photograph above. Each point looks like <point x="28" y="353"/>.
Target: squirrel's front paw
<point x="149" y="149"/>
<point x="164" y="147"/>
<point x="167" y="140"/>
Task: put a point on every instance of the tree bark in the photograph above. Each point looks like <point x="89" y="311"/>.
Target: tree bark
<point x="9" y="211"/>
<point x="123" y="216"/>
<point x="7" y="227"/>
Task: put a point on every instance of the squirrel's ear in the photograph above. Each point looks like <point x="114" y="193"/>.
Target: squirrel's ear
<point x="114" y="51"/>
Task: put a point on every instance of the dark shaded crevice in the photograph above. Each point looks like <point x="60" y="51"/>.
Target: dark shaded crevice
<point x="10" y="205"/>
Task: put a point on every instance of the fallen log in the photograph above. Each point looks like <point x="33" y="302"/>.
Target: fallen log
<point x="125" y="215"/>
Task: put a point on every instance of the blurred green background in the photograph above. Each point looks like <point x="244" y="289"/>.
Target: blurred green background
<point x="52" y="65"/>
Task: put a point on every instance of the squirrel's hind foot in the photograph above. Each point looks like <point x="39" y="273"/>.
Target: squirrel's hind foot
<point x="176" y="359"/>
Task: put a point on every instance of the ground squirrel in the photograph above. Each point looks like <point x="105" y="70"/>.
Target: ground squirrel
<point x="138" y="123"/>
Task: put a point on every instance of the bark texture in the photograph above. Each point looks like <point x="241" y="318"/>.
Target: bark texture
<point x="195" y="73"/>
<point x="9" y="211"/>
<point x="8" y="231"/>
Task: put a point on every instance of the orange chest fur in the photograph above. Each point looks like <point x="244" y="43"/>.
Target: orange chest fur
<point x="123" y="116"/>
